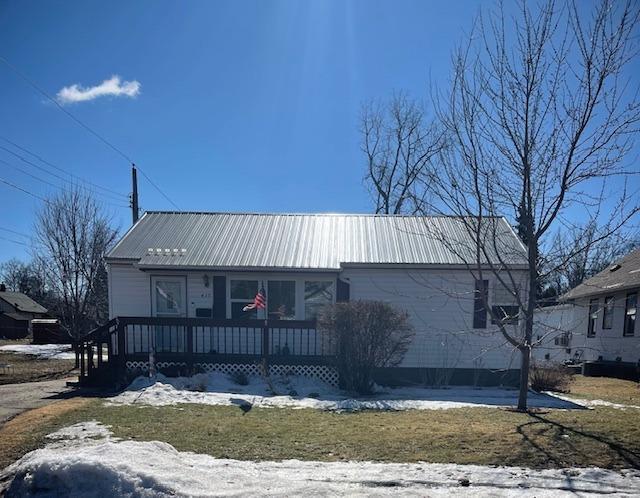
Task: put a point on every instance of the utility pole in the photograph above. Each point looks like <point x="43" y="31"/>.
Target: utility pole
<point x="134" y="193"/>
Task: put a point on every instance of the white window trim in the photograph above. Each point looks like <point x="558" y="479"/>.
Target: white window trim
<point x="185" y="294"/>
<point x="299" y="279"/>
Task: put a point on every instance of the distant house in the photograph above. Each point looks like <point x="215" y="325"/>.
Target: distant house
<point x="17" y="312"/>
<point x="559" y="334"/>
<point x="179" y="284"/>
<point x="606" y="311"/>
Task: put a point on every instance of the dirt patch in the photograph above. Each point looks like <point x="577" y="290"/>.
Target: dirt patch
<point x="26" y="431"/>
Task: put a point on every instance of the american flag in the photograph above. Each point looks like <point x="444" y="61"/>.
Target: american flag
<point x="259" y="302"/>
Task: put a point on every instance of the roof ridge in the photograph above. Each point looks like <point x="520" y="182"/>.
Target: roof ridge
<point x="370" y="215"/>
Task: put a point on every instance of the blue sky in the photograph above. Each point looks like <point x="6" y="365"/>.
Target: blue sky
<point x="242" y="106"/>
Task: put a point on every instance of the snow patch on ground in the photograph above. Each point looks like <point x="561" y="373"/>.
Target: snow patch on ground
<point x="81" y="431"/>
<point x="593" y="402"/>
<point x="302" y="392"/>
<point x="91" y="468"/>
<point x="42" y="351"/>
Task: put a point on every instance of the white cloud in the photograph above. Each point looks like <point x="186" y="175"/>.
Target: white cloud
<point x="113" y="87"/>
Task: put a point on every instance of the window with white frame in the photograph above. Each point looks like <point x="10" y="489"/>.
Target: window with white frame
<point x="281" y="299"/>
<point x="241" y="294"/>
<point x="297" y="298"/>
<point x="317" y="294"/>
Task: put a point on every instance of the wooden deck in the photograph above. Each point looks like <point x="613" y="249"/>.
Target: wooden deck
<point x="126" y="345"/>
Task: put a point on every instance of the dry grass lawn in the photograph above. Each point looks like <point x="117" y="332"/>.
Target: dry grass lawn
<point x="625" y="392"/>
<point x="603" y="437"/>
<point x="28" y="368"/>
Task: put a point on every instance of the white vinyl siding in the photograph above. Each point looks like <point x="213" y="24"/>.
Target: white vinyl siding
<point x="129" y="291"/>
<point x="440" y="305"/>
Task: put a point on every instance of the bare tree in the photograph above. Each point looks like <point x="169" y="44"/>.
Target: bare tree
<point x="538" y="118"/>
<point x="72" y="235"/>
<point x="398" y="143"/>
<point x="579" y="252"/>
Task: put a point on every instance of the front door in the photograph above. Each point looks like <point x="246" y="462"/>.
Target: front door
<point x="169" y="300"/>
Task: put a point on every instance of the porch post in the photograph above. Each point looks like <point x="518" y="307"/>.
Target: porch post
<point x="189" y="350"/>
<point x="122" y="361"/>
<point x="265" y="346"/>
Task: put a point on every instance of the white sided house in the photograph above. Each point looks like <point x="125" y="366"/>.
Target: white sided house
<point x="178" y="283"/>
<point x="606" y="310"/>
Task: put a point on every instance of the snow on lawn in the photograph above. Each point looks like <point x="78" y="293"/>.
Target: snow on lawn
<point x="42" y="351"/>
<point x="303" y="392"/>
<point x="593" y="402"/>
<point x="106" y="467"/>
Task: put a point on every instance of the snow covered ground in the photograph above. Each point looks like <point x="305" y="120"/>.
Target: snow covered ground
<point x="303" y="392"/>
<point x="42" y="351"/>
<point x="595" y="402"/>
<point x="77" y="465"/>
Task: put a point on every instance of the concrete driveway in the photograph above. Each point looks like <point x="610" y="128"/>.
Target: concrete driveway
<point x="17" y="398"/>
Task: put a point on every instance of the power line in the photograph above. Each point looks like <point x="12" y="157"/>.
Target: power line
<point x="54" y="185"/>
<point x="15" y="232"/>
<point x="37" y="166"/>
<point x="24" y="149"/>
<point x="158" y="188"/>
<point x="14" y="241"/>
<point x="34" y="85"/>
<point x="13" y="185"/>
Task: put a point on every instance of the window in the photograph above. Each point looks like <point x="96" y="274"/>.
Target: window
<point x="607" y="312"/>
<point x="316" y="296"/>
<point x="243" y="292"/>
<point x="593" y="317"/>
<point x="169" y="296"/>
<point x="505" y="314"/>
<point x="480" y="297"/>
<point x="281" y="299"/>
<point x="563" y="340"/>
<point x="630" y="311"/>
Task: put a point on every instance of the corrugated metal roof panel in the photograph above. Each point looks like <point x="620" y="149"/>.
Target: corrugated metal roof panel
<point x="309" y="241"/>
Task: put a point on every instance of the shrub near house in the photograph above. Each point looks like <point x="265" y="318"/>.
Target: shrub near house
<point x="367" y="335"/>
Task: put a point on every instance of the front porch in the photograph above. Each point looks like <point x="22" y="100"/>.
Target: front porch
<point x="126" y="346"/>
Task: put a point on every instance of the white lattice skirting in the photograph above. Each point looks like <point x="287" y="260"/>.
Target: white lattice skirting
<point x="143" y="366"/>
<point x="322" y="372"/>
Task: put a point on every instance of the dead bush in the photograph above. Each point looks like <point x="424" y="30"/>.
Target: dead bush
<point x="366" y="335"/>
<point x="551" y="377"/>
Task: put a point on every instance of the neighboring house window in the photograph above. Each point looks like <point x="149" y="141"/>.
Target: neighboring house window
<point x="243" y="292"/>
<point x="563" y="339"/>
<point x="630" y="312"/>
<point x="480" y="297"/>
<point x="281" y="299"/>
<point x="593" y="317"/>
<point x="316" y="296"/>
<point x="505" y="314"/>
<point x="607" y="312"/>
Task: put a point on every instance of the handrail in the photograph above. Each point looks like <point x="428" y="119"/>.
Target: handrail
<point x="98" y="331"/>
<point x="214" y="322"/>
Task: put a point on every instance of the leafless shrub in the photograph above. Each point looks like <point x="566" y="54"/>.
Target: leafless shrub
<point x="367" y="335"/>
<point x="549" y="378"/>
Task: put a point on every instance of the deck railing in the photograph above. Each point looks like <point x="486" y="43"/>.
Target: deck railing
<point x="201" y="340"/>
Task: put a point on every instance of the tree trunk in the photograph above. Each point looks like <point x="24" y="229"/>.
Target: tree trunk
<point x="524" y="378"/>
<point x="525" y="347"/>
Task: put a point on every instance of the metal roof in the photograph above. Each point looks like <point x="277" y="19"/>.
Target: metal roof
<point x="305" y="241"/>
<point x="621" y="275"/>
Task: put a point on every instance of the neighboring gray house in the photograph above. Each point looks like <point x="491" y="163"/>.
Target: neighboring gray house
<point x="187" y="276"/>
<point x="606" y="307"/>
<point x="17" y="311"/>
